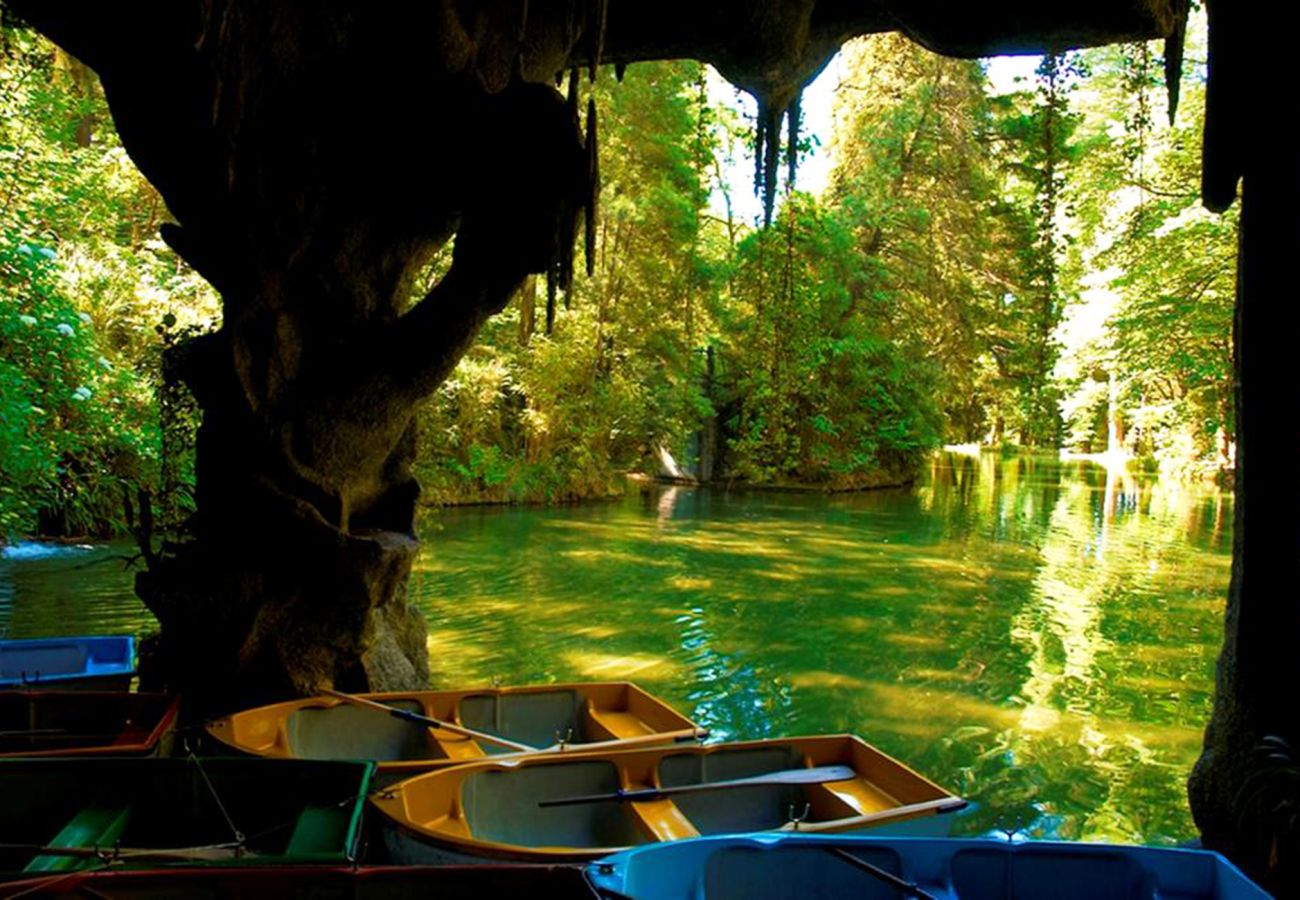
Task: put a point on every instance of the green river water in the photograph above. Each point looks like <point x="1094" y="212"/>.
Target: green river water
<point x="1036" y="635"/>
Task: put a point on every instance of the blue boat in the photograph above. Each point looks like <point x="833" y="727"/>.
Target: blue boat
<point x="798" y="867"/>
<point x="96" y="663"/>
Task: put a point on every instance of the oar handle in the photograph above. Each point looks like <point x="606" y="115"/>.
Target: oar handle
<point x="936" y="806"/>
<point x="430" y="721"/>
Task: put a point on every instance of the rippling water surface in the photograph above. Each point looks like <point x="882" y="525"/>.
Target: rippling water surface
<point x="1039" y="636"/>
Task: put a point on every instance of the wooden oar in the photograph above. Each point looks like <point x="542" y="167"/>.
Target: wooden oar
<point x="627" y="743"/>
<point x="430" y="722"/>
<point x="121" y="854"/>
<point x="939" y="805"/>
<point x="816" y="775"/>
<point x="900" y="884"/>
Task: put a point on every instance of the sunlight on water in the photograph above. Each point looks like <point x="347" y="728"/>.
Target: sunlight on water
<point x="1038" y="636"/>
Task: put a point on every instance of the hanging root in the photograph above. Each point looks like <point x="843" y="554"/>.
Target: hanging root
<point x="518" y="67"/>
<point x="550" y="299"/>
<point x="767" y="150"/>
<point x="771" y="122"/>
<point x="593" y="188"/>
<point x="569" y="218"/>
<point x="793" y="115"/>
<point x="596" y="35"/>
<point x="1174" y="56"/>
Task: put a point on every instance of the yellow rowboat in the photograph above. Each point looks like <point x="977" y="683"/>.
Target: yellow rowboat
<point x="507" y="809"/>
<point x="548" y="718"/>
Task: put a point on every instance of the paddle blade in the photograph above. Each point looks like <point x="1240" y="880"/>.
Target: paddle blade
<point x="815" y="775"/>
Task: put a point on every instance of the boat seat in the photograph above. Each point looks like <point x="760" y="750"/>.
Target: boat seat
<point x="319" y="829"/>
<point x="661" y="819"/>
<point x="98" y="825"/>
<point x="617" y="724"/>
<point x="845" y="799"/>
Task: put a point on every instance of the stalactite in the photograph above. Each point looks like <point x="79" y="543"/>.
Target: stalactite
<point x="518" y="67"/>
<point x="596" y="35"/>
<point x="593" y="187"/>
<point x="573" y="96"/>
<point x="550" y="300"/>
<point x="1174" y="56"/>
<point x="568" y="219"/>
<point x="771" y="156"/>
<point x="793" y="115"/>
<point x="767" y="153"/>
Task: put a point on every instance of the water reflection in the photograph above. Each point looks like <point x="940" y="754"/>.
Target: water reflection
<point x="1037" y="634"/>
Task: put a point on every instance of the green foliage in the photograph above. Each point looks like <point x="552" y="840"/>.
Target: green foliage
<point x="1040" y="155"/>
<point x="923" y="298"/>
<point x="83" y="282"/>
<point x="74" y="426"/>
<point x="819" y="391"/>
<point x="1165" y="353"/>
<point x="529" y="416"/>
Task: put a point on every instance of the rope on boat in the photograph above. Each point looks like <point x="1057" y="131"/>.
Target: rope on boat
<point x="45" y="884"/>
<point x="239" y="835"/>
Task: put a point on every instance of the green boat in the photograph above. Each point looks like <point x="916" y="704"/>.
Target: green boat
<point x="68" y="815"/>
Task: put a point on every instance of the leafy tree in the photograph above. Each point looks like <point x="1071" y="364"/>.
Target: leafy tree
<point x="83" y="282"/>
<point x="1165" y="354"/>
<point x="1040" y="152"/>
<point x="820" y="392"/>
<point x="532" y="415"/>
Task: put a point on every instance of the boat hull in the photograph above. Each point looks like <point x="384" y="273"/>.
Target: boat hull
<point x="497" y="811"/>
<point x="59" y="814"/>
<point x="105" y="663"/>
<point x="312" y="883"/>
<point x="41" y="724"/>
<point x="795" y="867"/>
<point x="604" y="713"/>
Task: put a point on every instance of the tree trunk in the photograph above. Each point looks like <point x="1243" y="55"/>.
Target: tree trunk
<point x="300" y="197"/>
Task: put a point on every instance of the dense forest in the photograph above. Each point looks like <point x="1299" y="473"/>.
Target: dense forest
<point x="1030" y="269"/>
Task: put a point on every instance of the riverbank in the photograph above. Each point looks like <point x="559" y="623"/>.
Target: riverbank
<point x="618" y="485"/>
